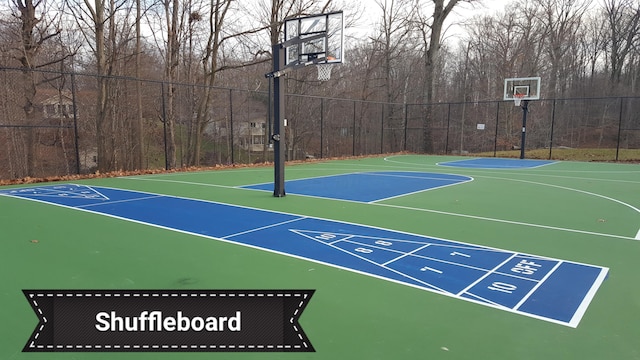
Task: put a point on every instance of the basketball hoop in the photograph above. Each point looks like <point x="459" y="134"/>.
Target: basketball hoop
<point x="324" y="71"/>
<point x="517" y="98"/>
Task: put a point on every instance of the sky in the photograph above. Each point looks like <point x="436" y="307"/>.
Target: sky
<point x="372" y="12"/>
<point x="464" y="10"/>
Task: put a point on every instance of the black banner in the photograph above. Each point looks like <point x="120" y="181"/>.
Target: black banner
<point x="168" y="320"/>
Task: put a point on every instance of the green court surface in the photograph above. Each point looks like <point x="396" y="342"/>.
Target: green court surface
<point x="580" y="212"/>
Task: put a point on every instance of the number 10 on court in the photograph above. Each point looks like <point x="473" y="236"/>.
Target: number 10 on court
<point x="503" y="287"/>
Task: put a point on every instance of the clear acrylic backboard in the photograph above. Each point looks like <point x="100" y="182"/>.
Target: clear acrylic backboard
<point x="527" y="88"/>
<point x="320" y="50"/>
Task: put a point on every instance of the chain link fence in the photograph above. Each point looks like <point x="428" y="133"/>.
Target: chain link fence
<point x="56" y="124"/>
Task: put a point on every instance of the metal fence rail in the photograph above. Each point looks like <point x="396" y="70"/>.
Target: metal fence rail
<point x="54" y="132"/>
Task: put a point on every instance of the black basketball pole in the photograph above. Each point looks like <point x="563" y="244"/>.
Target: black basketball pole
<point x="278" y="136"/>
<point x="525" y="109"/>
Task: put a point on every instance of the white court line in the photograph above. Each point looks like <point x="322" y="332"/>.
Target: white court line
<point x="458" y="244"/>
<point x="382" y="173"/>
<point x="423" y="190"/>
<point x="577" y="316"/>
<point x="428" y="210"/>
<point x="426" y="286"/>
<point x="58" y="192"/>
<point x="441" y="260"/>
<point x="120" y="201"/>
<point x="544" y="278"/>
<point x="378" y="173"/>
<point x="494" y="167"/>
<point x="637" y="237"/>
<point x="178" y="182"/>
<point x="433" y="287"/>
<point x="96" y="191"/>
<point x="495" y="304"/>
<point x="246" y="187"/>
<point x="487" y="274"/>
<point x="264" y="227"/>
<point x="569" y="189"/>
<point x="509" y="222"/>
<point x="405" y="255"/>
<point x="413" y="165"/>
<point x="339" y="240"/>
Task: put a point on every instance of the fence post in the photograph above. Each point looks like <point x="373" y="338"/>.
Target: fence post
<point x="75" y="121"/>
<point x="495" y="137"/>
<point x="321" y="128"/>
<point x="619" y="128"/>
<point x="446" y="141"/>
<point x="164" y="124"/>
<point x="406" y="121"/>
<point x="382" y="129"/>
<point x="353" y="150"/>
<point x="553" y="122"/>
<point x="231" y="125"/>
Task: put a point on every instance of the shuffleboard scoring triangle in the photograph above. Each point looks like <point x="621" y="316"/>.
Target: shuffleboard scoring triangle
<point x="66" y="191"/>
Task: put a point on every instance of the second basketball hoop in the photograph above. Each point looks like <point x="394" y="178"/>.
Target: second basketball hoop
<point x="517" y="98"/>
<point x="519" y="89"/>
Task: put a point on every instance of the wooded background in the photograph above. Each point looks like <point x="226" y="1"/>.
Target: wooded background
<point x="110" y="85"/>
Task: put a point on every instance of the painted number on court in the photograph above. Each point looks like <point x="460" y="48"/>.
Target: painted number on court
<point x="503" y="287"/>
<point x="525" y="267"/>
<point x="326" y="236"/>
<point x="426" y="268"/>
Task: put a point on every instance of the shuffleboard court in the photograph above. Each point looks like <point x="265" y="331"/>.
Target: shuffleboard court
<point x="367" y="186"/>
<point x="497" y="163"/>
<point x="549" y="289"/>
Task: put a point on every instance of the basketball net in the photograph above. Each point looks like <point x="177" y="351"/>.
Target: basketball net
<point x="517" y="98"/>
<point x="324" y="71"/>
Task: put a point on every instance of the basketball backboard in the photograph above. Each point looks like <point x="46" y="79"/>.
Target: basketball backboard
<point x="527" y="88"/>
<point x="319" y="49"/>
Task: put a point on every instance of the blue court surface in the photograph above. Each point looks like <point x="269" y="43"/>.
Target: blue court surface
<point x="367" y="186"/>
<point x="544" y="288"/>
<point x="497" y="163"/>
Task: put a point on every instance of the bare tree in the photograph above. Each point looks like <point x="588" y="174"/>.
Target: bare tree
<point x="394" y="39"/>
<point x="174" y="17"/>
<point x="108" y="32"/>
<point x="592" y="40"/>
<point x="139" y="123"/>
<point x="35" y="30"/>
<point x="431" y="29"/>
<point x="393" y="47"/>
<point x="561" y="20"/>
<point x="216" y="18"/>
<point x="623" y="20"/>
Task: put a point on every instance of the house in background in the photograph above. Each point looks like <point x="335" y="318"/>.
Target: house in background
<point x="56" y="104"/>
<point x="254" y="137"/>
<point x="56" y="107"/>
<point x="248" y="135"/>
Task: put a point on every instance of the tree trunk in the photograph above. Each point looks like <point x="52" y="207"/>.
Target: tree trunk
<point x="139" y="123"/>
<point x="29" y="50"/>
<point x="173" y="53"/>
<point x="440" y="13"/>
